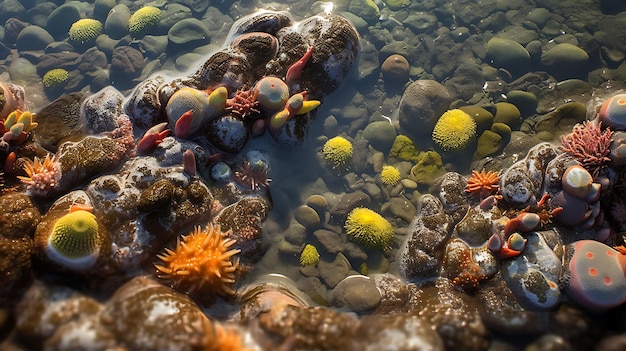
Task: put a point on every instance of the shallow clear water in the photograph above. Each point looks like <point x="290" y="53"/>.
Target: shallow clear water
<point x="442" y="41"/>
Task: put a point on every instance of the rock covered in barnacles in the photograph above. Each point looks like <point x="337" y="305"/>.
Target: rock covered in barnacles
<point x="245" y="218"/>
<point x="62" y="119"/>
<point x="45" y="308"/>
<point x="533" y="275"/>
<point x="453" y="314"/>
<point x="264" y="21"/>
<point x="89" y="157"/>
<point x="145" y="204"/>
<point x="227" y="133"/>
<point x="419" y="256"/>
<point x="138" y="311"/>
<point x="143" y="106"/>
<point x="101" y="111"/>
<point x="522" y="183"/>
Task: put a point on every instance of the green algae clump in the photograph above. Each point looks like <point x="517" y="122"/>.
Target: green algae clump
<point x="404" y="149"/>
<point x="390" y="175"/>
<point x="85" y="30"/>
<point x="337" y="152"/>
<point x="54" y="78"/>
<point x="428" y="168"/>
<point x="309" y="256"/>
<point x="143" y="20"/>
<point x="369" y="228"/>
<point x="454" y="130"/>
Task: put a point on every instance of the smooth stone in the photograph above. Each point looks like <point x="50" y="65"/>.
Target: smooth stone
<point x="189" y="32"/>
<point x="153" y="46"/>
<point x="295" y="234"/>
<point x="333" y="272"/>
<point x="526" y="102"/>
<point x="308" y="217"/>
<point x="489" y="143"/>
<point x="380" y="135"/>
<point x="116" y="24"/>
<point x="101" y="9"/>
<point x="329" y="240"/>
<point x="565" y="61"/>
<point x="366" y="9"/>
<point x="33" y="38"/>
<point x="481" y="116"/>
<point x="172" y="14"/>
<point x="508" y="54"/>
<point x="508" y="114"/>
<point x="61" y="19"/>
<point x="318" y="203"/>
<point x="399" y="208"/>
<point x="395" y="70"/>
<point x="38" y="14"/>
<point x="10" y="9"/>
<point x="356" y="293"/>
<point x="538" y="16"/>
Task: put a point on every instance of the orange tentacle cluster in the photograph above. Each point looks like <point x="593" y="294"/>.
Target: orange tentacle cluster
<point x="201" y="262"/>
<point x="482" y="184"/>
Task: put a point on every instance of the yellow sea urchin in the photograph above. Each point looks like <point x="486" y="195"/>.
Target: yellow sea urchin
<point x="201" y="262"/>
<point x="390" y="175"/>
<point x="369" y="228"/>
<point x="75" y="241"/>
<point x="337" y="152"/>
<point x="143" y="20"/>
<point x="54" y="78"/>
<point x="309" y="256"/>
<point x="454" y="130"/>
<point x="85" y="30"/>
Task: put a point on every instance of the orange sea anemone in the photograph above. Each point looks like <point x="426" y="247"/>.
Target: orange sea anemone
<point x="482" y="184"/>
<point x="201" y="262"/>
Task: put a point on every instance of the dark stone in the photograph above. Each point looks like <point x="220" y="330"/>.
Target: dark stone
<point x="126" y="64"/>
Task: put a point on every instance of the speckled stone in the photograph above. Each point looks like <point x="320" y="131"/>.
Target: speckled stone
<point x="18" y="216"/>
<point x="44" y="308"/>
<point x="454" y="316"/>
<point x="533" y="276"/>
<point x="399" y="331"/>
<point x="138" y="310"/>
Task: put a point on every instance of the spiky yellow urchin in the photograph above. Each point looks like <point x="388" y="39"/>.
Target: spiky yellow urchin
<point x="309" y="256"/>
<point x="201" y="262"/>
<point x="337" y="152"/>
<point x="390" y="175"/>
<point x="454" y="130"/>
<point x="369" y="228"/>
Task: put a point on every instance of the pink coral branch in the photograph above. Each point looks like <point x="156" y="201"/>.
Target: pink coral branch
<point x="589" y="144"/>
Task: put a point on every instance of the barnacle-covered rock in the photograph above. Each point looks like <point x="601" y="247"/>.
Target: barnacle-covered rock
<point x="454" y="315"/>
<point x="533" y="275"/>
<point x="18" y="216"/>
<point x="420" y="255"/>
